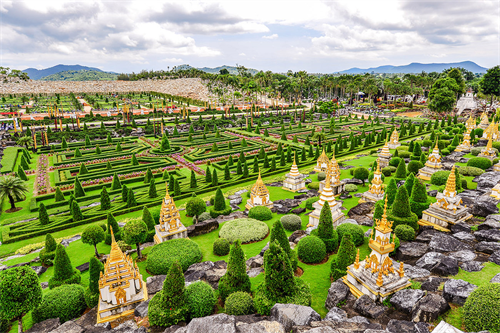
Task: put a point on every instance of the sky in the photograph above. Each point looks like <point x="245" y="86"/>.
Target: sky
<point x="316" y="36"/>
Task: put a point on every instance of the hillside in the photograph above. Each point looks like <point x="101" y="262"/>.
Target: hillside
<point x="231" y="70"/>
<point x="37" y="74"/>
<point x="80" y="75"/>
<point x="418" y="68"/>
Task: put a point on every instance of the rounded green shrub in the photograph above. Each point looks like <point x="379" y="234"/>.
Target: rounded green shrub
<point x="291" y="222"/>
<point x="470" y="171"/>
<point x="394" y="162"/>
<point x="388" y="170"/>
<point x="311" y="250"/>
<point x="65" y="302"/>
<point x="426" y="143"/>
<point x="404" y="154"/>
<point x="496" y="145"/>
<point x="261" y="213"/>
<point x="200" y="299"/>
<point x="476" y="151"/>
<point x="310" y="201"/>
<point x="414" y="166"/>
<point x="221" y="247"/>
<point x="481" y="311"/>
<point x="246" y="230"/>
<point x="321" y="176"/>
<point x="405" y="232"/>
<point x="161" y="257"/>
<point x="440" y="177"/>
<point x="479" y="162"/>
<point x="313" y="186"/>
<point x="464" y="184"/>
<point x="350" y="188"/>
<point x="355" y="230"/>
<point x="204" y="216"/>
<point x="239" y="303"/>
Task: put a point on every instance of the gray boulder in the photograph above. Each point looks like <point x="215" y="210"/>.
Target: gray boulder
<point x="464" y="255"/>
<point x="447" y="243"/>
<point x="155" y="283"/>
<point x="68" y="327"/>
<point x="336" y="314"/>
<point x="400" y="326"/>
<point x="484" y="206"/>
<point x="487" y="235"/>
<point x="472" y="266"/>
<point x="429" y="307"/>
<point x="487" y="247"/>
<point x="45" y="326"/>
<point x="290" y="315"/>
<point x="429" y="260"/>
<point x="460" y="227"/>
<point x="426" y="235"/>
<point x="254" y="262"/>
<point x="141" y="310"/>
<point x="496" y="279"/>
<point x="337" y="293"/>
<point x="252" y="328"/>
<point x="405" y="300"/>
<point x="446" y="266"/>
<point x="411" y="250"/>
<point x="464" y="236"/>
<point x="487" y="181"/>
<point x="432" y="283"/>
<point x="368" y="308"/>
<point x="495" y="257"/>
<point x="490" y="223"/>
<point x="255" y="271"/>
<point x="219" y="323"/>
<point x="39" y="270"/>
<point x="457" y="291"/>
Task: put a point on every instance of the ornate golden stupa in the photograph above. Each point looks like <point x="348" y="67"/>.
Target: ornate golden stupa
<point x="170" y="226"/>
<point x="488" y="152"/>
<point x="432" y="165"/>
<point x="491" y="132"/>
<point x="259" y="195"/>
<point x="322" y="163"/>
<point x="376" y="189"/>
<point x="333" y="172"/>
<point x="384" y="156"/>
<point x="470" y="124"/>
<point x="394" y="140"/>
<point x="484" y="121"/>
<point x="121" y="287"/>
<point x="327" y="195"/>
<point x="376" y="276"/>
<point x="294" y="180"/>
<point x="447" y="209"/>
<point x="465" y="146"/>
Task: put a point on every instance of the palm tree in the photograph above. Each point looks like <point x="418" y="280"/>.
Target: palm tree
<point x="13" y="188"/>
<point x="25" y="140"/>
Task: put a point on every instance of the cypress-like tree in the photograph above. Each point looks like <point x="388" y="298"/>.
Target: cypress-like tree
<point x="64" y="144"/>
<point x="278" y="234"/>
<point x="119" y="147"/>
<point x="147" y="218"/>
<point x="59" y="196"/>
<point x="208" y="176"/>
<point x="105" y="200"/>
<point x="255" y="168"/>
<point x="87" y="141"/>
<point x="345" y="257"/>
<point x="95" y="269"/>
<point x="112" y="224"/>
<point x="418" y="198"/>
<point x="83" y="169"/>
<point x="219" y="201"/>
<point x="78" y="189"/>
<point x="279" y="280"/>
<point x="20" y="173"/>
<point x="401" y="170"/>
<point x="77" y="153"/>
<point x="239" y="169"/>
<point x="417" y="150"/>
<point x="43" y="216"/>
<point x="411" y="146"/>
<point x="171" y="183"/>
<point x="152" y="189"/>
<point x="124" y="193"/>
<point x="390" y="192"/>
<point x="227" y="173"/>
<point x="134" y="160"/>
<point x="215" y="180"/>
<point x="165" y="174"/>
<point x="410" y="180"/>
<point x="236" y="277"/>
<point x="401" y="212"/>
<point x="131" y="199"/>
<point x="245" y="170"/>
<point x="230" y="160"/>
<point x="63" y="270"/>
<point x="97" y="150"/>
<point x="303" y="156"/>
<point x="273" y="164"/>
<point x="282" y="159"/>
<point x="192" y="180"/>
<point x="76" y="211"/>
<point x="266" y="162"/>
<point x="148" y="176"/>
<point x="108" y="139"/>
<point x="177" y="188"/>
<point x="325" y="228"/>
<point x="108" y="166"/>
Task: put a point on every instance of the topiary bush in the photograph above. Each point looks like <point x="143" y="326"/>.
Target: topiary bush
<point x="162" y="255"/>
<point x="236" y="277"/>
<point x="394" y="162"/>
<point x="246" y="230"/>
<point x="64" y="273"/>
<point x="479" y="162"/>
<point x="321" y="176"/>
<point x="48" y="253"/>
<point x="414" y="166"/>
<point x="204" y="216"/>
<point x="476" y="151"/>
<point x="221" y="247"/>
<point x="388" y="170"/>
<point x="313" y="185"/>
<point x="200" y="299"/>
<point x="354" y="230"/>
<point x="291" y="222"/>
<point x="310" y="201"/>
<point x="350" y="188"/>
<point x="440" y="177"/>
<point x="239" y="304"/>
<point x="65" y="302"/>
<point x="405" y="232"/>
<point x="261" y="213"/>
<point x="311" y="250"/>
<point x="481" y="310"/>
<point x="470" y="171"/>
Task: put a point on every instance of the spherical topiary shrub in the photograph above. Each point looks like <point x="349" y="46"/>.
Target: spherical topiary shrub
<point x="204" y="216"/>
<point x="246" y="230"/>
<point x="440" y="177"/>
<point x="310" y="201"/>
<point x="482" y="309"/>
<point x="321" y="176"/>
<point x="313" y="186"/>
<point x="355" y="230"/>
<point x="394" y="161"/>
<point x="479" y="162"/>
<point x="291" y="222"/>
<point x="161" y="257"/>
<point x="200" y="299"/>
<point x="221" y="247"/>
<point x="311" y="250"/>
<point x="350" y="187"/>
<point x="261" y="213"/>
<point x="470" y="171"/>
<point x="405" y="232"/>
<point x="414" y="166"/>
<point x="239" y="303"/>
<point x="65" y="302"/>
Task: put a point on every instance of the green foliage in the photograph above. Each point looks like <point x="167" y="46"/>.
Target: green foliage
<point x="64" y="302"/>
<point x="239" y="304"/>
<point x="345" y="257"/>
<point x="134" y="160"/>
<point x="177" y="187"/>
<point x="395" y="161"/>
<point x="200" y="299"/>
<point x="195" y="207"/>
<point x="152" y="189"/>
<point x="192" y="180"/>
<point x="93" y="235"/>
<point x="245" y="229"/>
<point x="278" y="234"/>
<point x="356" y="232"/>
<point x="261" y="213"/>
<point x="414" y="167"/>
<point x="148" y="176"/>
<point x="361" y="173"/>
<point x="291" y="222"/>
<point x="401" y="170"/>
<point x="440" y="177"/>
<point x="42" y="215"/>
<point x="310" y="201"/>
<point x="325" y="228"/>
<point x="20" y="173"/>
<point x="410" y="180"/>
<point x="418" y="199"/>
<point x="236" y="277"/>
<point x="76" y="211"/>
<point x="112" y="224"/>
<point x="470" y="171"/>
<point x="105" y="200"/>
<point x="92" y="292"/>
<point x="391" y="191"/>
<point x="183" y="250"/>
<point x="311" y="250"/>
<point x="219" y="202"/>
<point x="221" y="247"/>
<point x="350" y="187"/>
<point x="482" y="309"/>
<point x="131" y="202"/>
<point x="405" y="232"/>
<point x="64" y="273"/>
<point x="116" y="182"/>
<point x="479" y="162"/>
<point x="135" y="232"/>
<point x="59" y="196"/>
<point x="48" y="253"/>
<point x="401" y="212"/>
<point x="78" y="189"/>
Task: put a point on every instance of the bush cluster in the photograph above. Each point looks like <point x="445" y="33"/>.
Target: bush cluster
<point x="313" y="185"/>
<point x="221" y="247"/>
<point x="261" y="213"/>
<point x="65" y="302"/>
<point x="311" y="250"/>
<point x="479" y="162"/>
<point x="482" y="309"/>
<point x="239" y="303"/>
<point x="350" y="188"/>
<point x="291" y="222"/>
<point x="440" y="177"/>
<point x="354" y="230"/>
<point x="161" y="257"/>
<point x="394" y="162"/>
<point x="246" y="230"/>
<point x="200" y="299"/>
<point x="310" y="201"/>
<point x="405" y="232"/>
<point x="470" y="171"/>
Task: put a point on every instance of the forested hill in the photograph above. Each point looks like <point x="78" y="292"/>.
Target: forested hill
<point x="81" y="75"/>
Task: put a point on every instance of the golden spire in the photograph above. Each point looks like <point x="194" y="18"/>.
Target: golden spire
<point x="294" y="158"/>
<point x="450" y="189"/>
<point x="383" y="225"/>
<point x="356" y="263"/>
<point x="167" y="195"/>
<point x="401" y="270"/>
<point x="378" y="167"/>
<point x="380" y="280"/>
<point x="112" y="235"/>
<point x="259" y="179"/>
<point x="489" y="144"/>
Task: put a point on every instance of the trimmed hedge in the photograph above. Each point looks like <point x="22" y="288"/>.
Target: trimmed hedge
<point x="440" y="177"/>
<point x="405" y="232"/>
<point x="479" y="162"/>
<point x="311" y="250"/>
<point x="310" y="201"/>
<point x="261" y="213"/>
<point x="481" y="310"/>
<point x="291" y="222"/>
<point x="239" y="304"/>
<point x="200" y="299"/>
<point x="246" y="230"/>
<point x="221" y="247"/>
<point x="161" y="257"/>
<point x="470" y="171"/>
<point x="64" y="302"/>
<point x="354" y="230"/>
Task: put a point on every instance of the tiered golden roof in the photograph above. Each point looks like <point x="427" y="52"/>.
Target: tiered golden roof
<point x="492" y="131"/>
<point x="394" y="137"/>
<point x="294" y="171"/>
<point x="259" y="189"/>
<point x="333" y="167"/>
<point x="169" y="214"/>
<point x="385" y="151"/>
<point x="376" y="184"/>
<point x="484" y="118"/>
<point x="383" y="225"/>
<point x="470" y="123"/>
<point x="450" y="190"/>
<point x="488" y="151"/>
<point x="323" y="158"/>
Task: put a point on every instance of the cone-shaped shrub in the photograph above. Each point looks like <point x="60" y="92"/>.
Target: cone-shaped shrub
<point x="245" y="170"/>
<point x="70" y="203"/>
<point x="64" y="144"/>
<point x="215" y="180"/>
<point x="20" y="173"/>
<point x="148" y="218"/>
<point x="118" y="147"/>
<point x="410" y="180"/>
<point x="124" y="193"/>
<point x="131" y="199"/>
<point x="177" y="187"/>
<point x="390" y="192"/>
<point x="92" y="293"/>
<point x="401" y="212"/>
<point x="48" y="253"/>
<point x="278" y="234"/>
<point x="379" y="210"/>
<point x="192" y="181"/>
<point x="83" y="169"/>
<point x="108" y="166"/>
<point x="148" y="176"/>
<point x="165" y="175"/>
<point x="239" y="169"/>
<point x="208" y="176"/>
<point x="105" y="201"/>
<point x="42" y="215"/>
<point x="266" y="162"/>
<point x="87" y="141"/>
<point x="345" y="257"/>
<point x="116" y="184"/>
<point x="134" y="160"/>
<point x="219" y="201"/>
<point x="76" y="212"/>
<point x="236" y="277"/>
<point x="418" y="198"/>
<point x="152" y="189"/>
<point x="171" y="183"/>
<point x="279" y="280"/>
<point x="227" y="173"/>
<point x="273" y="164"/>
<point x="78" y="189"/>
<point x="64" y="273"/>
<point x="97" y="150"/>
<point x="401" y="170"/>
<point x="111" y="223"/>
<point x="325" y="228"/>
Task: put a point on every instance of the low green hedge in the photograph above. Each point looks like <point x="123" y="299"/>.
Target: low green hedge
<point x="161" y="257"/>
<point x="246" y="230"/>
<point x="261" y="213"/>
<point x="405" y="232"/>
<point x="355" y="230"/>
<point x="76" y="278"/>
<point x="64" y="302"/>
<point x="311" y="250"/>
<point x="479" y="162"/>
<point x="310" y="201"/>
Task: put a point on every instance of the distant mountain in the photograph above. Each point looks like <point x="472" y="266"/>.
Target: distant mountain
<point x="416" y="67"/>
<point x="216" y="70"/>
<point x="37" y="74"/>
<point x="81" y="75"/>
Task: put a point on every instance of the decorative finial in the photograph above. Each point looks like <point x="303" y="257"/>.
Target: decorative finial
<point x="356" y="263"/>
<point x="401" y="270"/>
<point x="380" y="280"/>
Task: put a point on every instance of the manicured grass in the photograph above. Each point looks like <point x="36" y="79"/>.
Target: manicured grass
<point x="479" y="278"/>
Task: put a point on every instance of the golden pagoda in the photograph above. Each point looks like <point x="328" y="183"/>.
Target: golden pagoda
<point x="465" y="146"/>
<point x="326" y="195"/>
<point x="447" y="209"/>
<point x="384" y="156"/>
<point x="484" y="121"/>
<point x="394" y="140"/>
<point x="488" y="152"/>
<point x="259" y="195"/>
<point x="376" y="189"/>
<point x="170" y="226"/>
<point x="333" y="172"/>
<point x="121" y="287"/>
<point x="470" y="124"/>
<point x="376" y="276"/>
<point x="491" y="132"/>
<point x="322" y="163"/>
<point x="432" y="165"/>
<point x="294" y="180"/>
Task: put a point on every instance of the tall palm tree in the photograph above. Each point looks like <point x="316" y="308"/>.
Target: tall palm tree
<point x="13" y="188"/>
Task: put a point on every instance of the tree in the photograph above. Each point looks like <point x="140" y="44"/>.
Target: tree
<point x="177" y="187"/>
<point x="401" y="212"/>
<point x="87" y="141"/>
<point x="124" y="193"/>
<point x="135" y="232"/>
<point x="42" y="215"/>
<point x="401" y="170"/>
<point x="490" y="83"/>
<point x="219" y="201"/>
<point x="443" y="95"/>
<point x="134" y="160"/>
<point x="105" y="201"/>
<point x="325" y="228"/>
<point x="456" y="75"/>
<point x="95" y="269"/>
<point x="64" y="144"/>
<point x="112" y="224"/>
<point x="390" y="191"/>
<point x="118" y="147"/>
<point x="345" y="257"/>
<point x="21" y="174"/>
<point x="108" y="166"/>
<point x="236" y="277"/>
<point x="361" y="173"/>
<point x="171" y="183"/>
<point x="208" y="176"/>
<point x="193" y="182"/>
<point x="78" y="189"/>
<point x="148" y="176"/>
<point x="59" y="196"/>
<point x="20" y="292"/>
<point x="12" y="188"/>
<point x="227" y="173"/>
<point x="279" y="280"/>
<point x="93" y="235"/>
<point x="116" y="184"/>
<point x="131" y="202"/>
<point x="25" y="140"/>
<point x="195" y="207"/>
<point x="410" y="180"/>
<point x="418" y="198"/>
<point x="278" y="234"/>
<point x="76" y="211"/>
<point x="98" y="150"/>
<point x="215" y="180"/>
<point x="152" y="189"/>
<point x="64" y="273"/>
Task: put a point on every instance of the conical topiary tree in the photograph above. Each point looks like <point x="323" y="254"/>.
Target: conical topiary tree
<point x="20" y="173"/>
<point x="401" y="212"/>
<point x="78" y="189"/>
<point x="83" y="169"/>
<point x="401" y="170"/>
<point x="345" y="257"/>
<point x="171" y="183"/>
<point x="227" y="173"/>
<point x="48" y="253"/>
<point x="192" y="181"/>
<point x="87" y="141"/>
<point x="131" y="199"/>
<point x="208" y="176"/>
<point x="59" y="196"/>
<point x="124" y="193"/>
<point x="165" y="174"/>
<point x="64" y="144"/>
<point x="64" y="273"/>
<point x="418" y="198"/>
<point x="410" y="180"/>
<point x="112" y="224"/>
<point x="105" y="201"/>
<point x="76" y="211"/>
<point x="148" y="218"/>
<point x="118" y="147"/>
<point x="278" y="234"/>
<point x="325" y="228"/>
<point x="177" y="187"/>
<point x="42" y="215"/>
<point x="92" y="292"/>
<point x="215" y="180"/>
<point x="236" y="277"/>
<point x="116" y="184"/>
<point x="152" y="189"/>
<point x="134" y="160"/>
<point x="390" y="192"/>
<point x="219" y="201"/>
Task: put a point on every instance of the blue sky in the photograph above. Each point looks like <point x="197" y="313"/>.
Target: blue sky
<point x="316" y="36"/>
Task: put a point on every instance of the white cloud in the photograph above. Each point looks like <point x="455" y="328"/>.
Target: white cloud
<point x="173" y="60"/>
<point x="273" y="36"/>
<point x="242" y="54"/>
